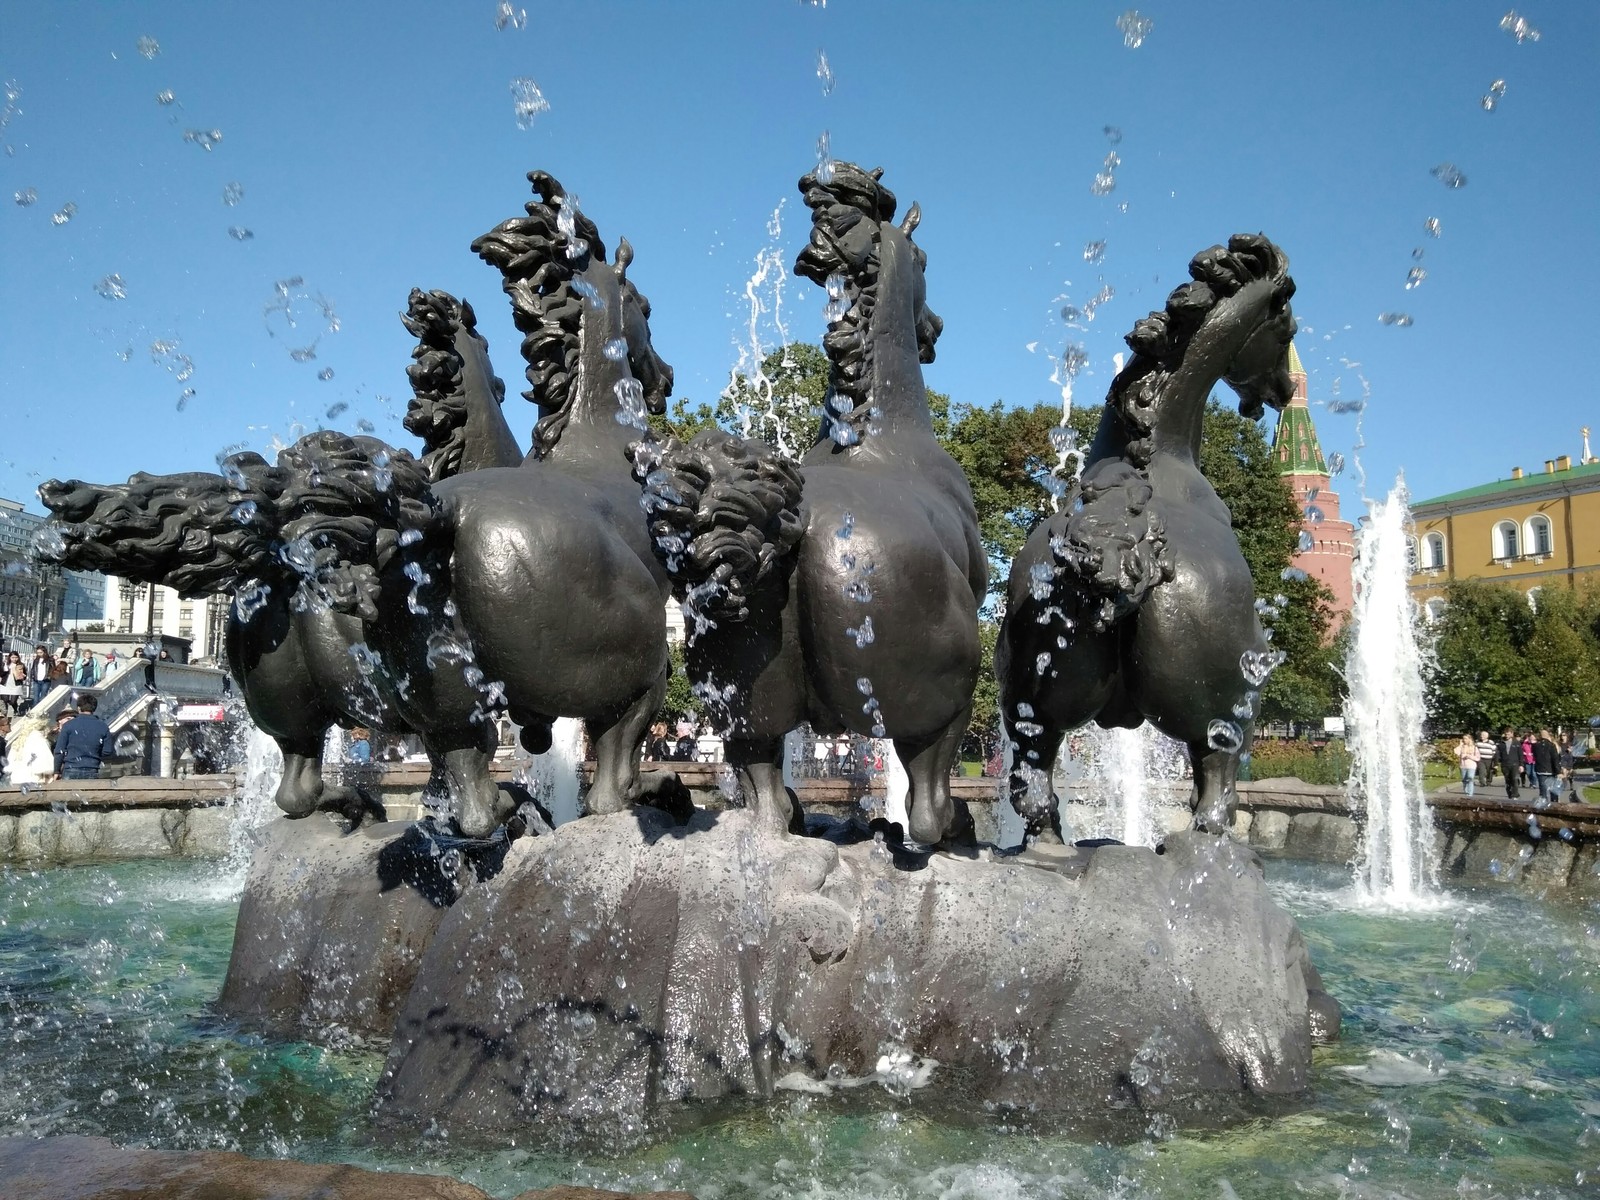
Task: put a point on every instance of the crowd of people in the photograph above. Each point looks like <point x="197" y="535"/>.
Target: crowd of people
<point x="1525" y="759"/>
<point x="25" y="682"/>
<point x="34" y="749"/>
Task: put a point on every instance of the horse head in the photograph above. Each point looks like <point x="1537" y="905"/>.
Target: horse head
<point x="651" y="370"/>
<point x="874" y="274"/>
<point x="1254" y="276"/>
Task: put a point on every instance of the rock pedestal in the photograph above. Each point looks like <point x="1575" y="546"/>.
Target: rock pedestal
<point x="625" y="965"/>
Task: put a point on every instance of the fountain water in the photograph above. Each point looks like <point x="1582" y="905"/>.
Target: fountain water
<point x="1384" y="713"/>
<point x="553" y="777"/>
<point x="1120" y="776"/>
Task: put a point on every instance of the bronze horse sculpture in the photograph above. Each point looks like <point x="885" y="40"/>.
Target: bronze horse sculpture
<point x="304" y="657"/>
<point x="1133" y="603"/>
<point x="428" y="596"/>
<point x="844" y="592"/>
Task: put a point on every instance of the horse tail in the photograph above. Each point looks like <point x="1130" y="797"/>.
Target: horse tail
<point x="724" y="512"/>
<point x="1113" y="551"/>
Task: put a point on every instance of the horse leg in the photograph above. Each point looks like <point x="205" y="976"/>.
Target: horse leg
<point x="300" y="790"/>
<point x="758" y="763"/>
<point x="480" y="805"/>
<point x="936" y="818"/>
<point x="1032" y="784"/>
<point x="1214" y="799"/>
<point x="618" y="748"/>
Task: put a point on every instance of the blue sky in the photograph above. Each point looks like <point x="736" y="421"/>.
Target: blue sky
<point x="373" y="142"/>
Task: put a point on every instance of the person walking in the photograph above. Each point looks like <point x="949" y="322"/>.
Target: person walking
<point x="28" y="751"/>
<point x="1509" y="755"/>
<point x="84" y="744"/>
<point x="86" y="671"/>
<point x="39" y="672"/>
<point x="1467" y="760"/>
<point x="1546" y="763"/>
<point x="1485" y="758"/>
<point x="1565" y="762"/>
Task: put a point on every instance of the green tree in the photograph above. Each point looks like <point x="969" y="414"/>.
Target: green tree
<point x="784" y="403"/>
<point x="679" y="701"/>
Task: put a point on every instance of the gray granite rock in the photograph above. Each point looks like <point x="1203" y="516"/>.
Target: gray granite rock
<point x="332" y="927"/>
<point x="624" y="964"/>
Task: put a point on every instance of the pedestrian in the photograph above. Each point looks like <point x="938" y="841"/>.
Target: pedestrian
<point x="85" y="743"/>
<point x="1565" y="762"/>
<point x="28" y="751"/>
<point x="1485" y="758"/>
<point x="13" y="682"/>
<point x="86" y="672"/>
<point x="39" y="672"/>
<point x="5" y="731"/>
<point x="1527" y="758"/>
<point x="1546" y="763"/>
<point x="658" y="748"/>
<point x="1467" y="760"/>
<point x="359" y="751"/>
<point x="1509" y="755"/>
<point x="112" y="666"/>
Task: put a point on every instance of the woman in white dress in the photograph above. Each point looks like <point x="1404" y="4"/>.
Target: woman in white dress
<point x="28" y="752"/>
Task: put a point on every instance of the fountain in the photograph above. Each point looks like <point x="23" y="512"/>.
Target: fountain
<point x="1385" y="713"/>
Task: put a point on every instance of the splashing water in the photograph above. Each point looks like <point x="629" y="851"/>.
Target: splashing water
<point x="1123" y="777"/>
<point x="111" y="288"/>
<point x="148" y="47"/>
<point x="507" y="16"/>
<point x="1399" y="320"/>
<point x="1385" y="712"/>
<point x="1519" y="27"/>
<point x="64" y="214"/>
<point x="825" y="74"/>
<point x="232" y="193"/>
<point x="527" y="101"/>
<point x="553" y="777"/>
<point x="1135" y="27"/>
<point x="25" y="197"/>
<point x="1495" y="94"/>
<point x="1449" y="174"/>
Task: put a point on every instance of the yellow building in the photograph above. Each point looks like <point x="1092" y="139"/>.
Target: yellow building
<point x="1531" y="531"/>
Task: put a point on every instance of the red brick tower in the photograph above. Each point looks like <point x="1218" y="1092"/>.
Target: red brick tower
<point x="1330" y="553"/>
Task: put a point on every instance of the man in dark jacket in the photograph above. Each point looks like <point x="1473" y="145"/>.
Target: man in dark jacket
<point x="1546" y="764"/>
<point x="84" y="744"/>
<point x="1508" y="752"/>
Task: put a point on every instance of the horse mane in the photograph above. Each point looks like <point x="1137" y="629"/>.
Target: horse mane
<point x="438" y="411"/>
<point x="848" y="212"/>
<point x="328" y="520"/>
<point x="538" y="264"/>
<point x="1160" y="341"/>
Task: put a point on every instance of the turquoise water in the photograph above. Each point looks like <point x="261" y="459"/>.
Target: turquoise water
<point x="1482" y="1016"/>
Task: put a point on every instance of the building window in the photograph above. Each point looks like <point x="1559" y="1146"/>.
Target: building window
<point x="1538" y="540"/>
<point x="1433" y="552"/>
<point x="1505" y="540"/>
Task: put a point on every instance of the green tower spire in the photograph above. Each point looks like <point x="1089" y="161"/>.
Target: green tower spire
<point x="1295" y="445"/>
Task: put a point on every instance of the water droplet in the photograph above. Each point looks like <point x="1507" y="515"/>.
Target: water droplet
<point x="325" y="374"/>
<point x="166" y="97"/>
<point x="302" y="354"/>
<point x="1224" y="735"/>
<point x="1135" y="27"/>
<point x="1256" y="665"/>
<point x="863" y="635"/>
<point x="240" y="234"/>
<point x="244" y="512"/>
<point x="1293" y="575"/>
<point x="1519" y="27"/>
<point x="232" y="193"/>
<point x="1431" y="227"/>
<point x="507" y="16"/>
<point x="111" y="288"/>
<point x="825" y="74"/>
<point x="616" y="349"/>
<point x="1245" y="708"/>
<point x="1305" y="542"/>
<point x="410" y="537"/>
<point x="1496" y="93"/>
<point x="1041" y="663"/>
<point x="364" y="426"/>
<point x="847" y="525"/>
<point x="1399" y="320"/>
<point x="64" y="214"/>
<point x="25" y="197"/>
<point x="147" y="46"/>
<point x="1449" y="174"/>
<point x="1113" y="134"/>
<point x="1104" y="184"/>
<point x="527" y="101"/>
<point x="1414" y="278"/>
<point x="206" y="139"/>
<point x="864" y="686"/>
<point x="1314" y="515"/>
<point x="184" y="397"/>
<point x="1095" y="253"/>
<point x="1336" y="463"/>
